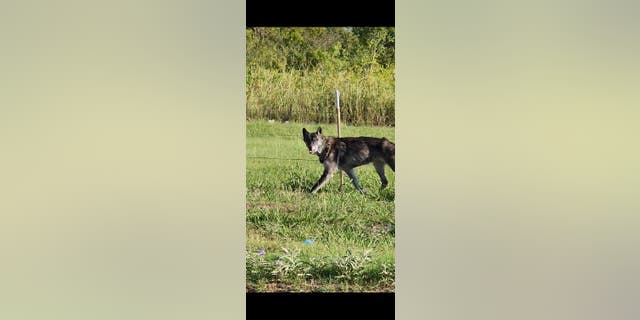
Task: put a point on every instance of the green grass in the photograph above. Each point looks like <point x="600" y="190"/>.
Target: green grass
<point x="353" y="234"/>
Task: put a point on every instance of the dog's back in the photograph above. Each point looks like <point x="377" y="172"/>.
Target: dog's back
<point x="357" y="151"/>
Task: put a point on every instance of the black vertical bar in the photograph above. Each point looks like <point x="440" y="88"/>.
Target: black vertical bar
<point x="328" y="13"/>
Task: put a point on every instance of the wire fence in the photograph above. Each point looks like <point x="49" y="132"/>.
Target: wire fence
<point x="279" y="158"/>
<point x="276" y="158"/>
<point x="283" y="135"/>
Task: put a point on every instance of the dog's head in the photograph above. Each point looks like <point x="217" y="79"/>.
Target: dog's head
<point x="313" y="140"/>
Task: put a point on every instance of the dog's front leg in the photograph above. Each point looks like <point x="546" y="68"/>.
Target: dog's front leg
<point x="326" y="175"/>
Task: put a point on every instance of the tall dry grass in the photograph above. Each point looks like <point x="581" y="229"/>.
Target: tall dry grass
<point x="365" y="98"/>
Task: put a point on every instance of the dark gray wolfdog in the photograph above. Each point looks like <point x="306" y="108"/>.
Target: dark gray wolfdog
<point x="348" y="153"/>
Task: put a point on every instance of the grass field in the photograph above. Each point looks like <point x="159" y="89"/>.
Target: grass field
<point x="335" y="240"/>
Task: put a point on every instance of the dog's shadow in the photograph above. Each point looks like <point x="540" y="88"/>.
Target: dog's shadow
<point x="388" y="194"/>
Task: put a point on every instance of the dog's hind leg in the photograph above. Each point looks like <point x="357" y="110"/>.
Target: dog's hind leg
<point x="352" y="175"/>
<point x="389" y="154"/>
<point x="326" y="175"/>
<point x="379" y="165"/>
<point x="391" y="161"/>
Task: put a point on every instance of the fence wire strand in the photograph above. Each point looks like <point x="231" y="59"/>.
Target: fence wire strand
<point x="276" y="158"/>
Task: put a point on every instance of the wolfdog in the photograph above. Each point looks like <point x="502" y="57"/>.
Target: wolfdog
<point x="348" y="153"/>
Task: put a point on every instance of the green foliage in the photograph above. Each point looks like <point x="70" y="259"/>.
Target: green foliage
<point x="292" y="74"/>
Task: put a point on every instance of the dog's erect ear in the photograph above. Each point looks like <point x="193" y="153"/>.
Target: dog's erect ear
<point x="319" y="130"/>
<point x="305" y="134"/>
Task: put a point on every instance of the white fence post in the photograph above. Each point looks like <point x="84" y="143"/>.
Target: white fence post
<point x="338" y="124"/>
